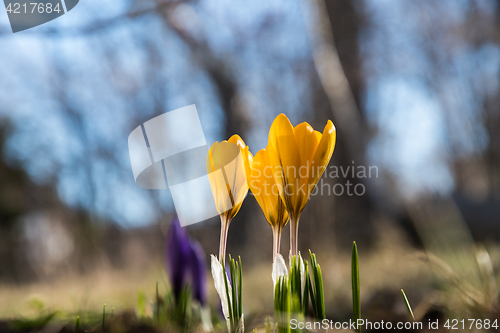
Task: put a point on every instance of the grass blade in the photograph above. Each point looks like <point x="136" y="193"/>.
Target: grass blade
<point x="305" y="300"/>
<point x="356" y="301"/>
<point x="320" y="295"/>
<point x="77" y="324"/>
<point x="287" y="309"/>
<point x="313" y="299"/>
<point x="157" y="305"/>
<point x="234" y="292"/>
<point x="312" y="285"/>
<point x="103" y="315"/>
<point x="240" y="288"/>
<point x="229" y="307"/>
<point x="407" y="305"/>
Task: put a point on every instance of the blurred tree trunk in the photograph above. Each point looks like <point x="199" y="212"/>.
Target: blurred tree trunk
<point x="335" y="33"/>
<point x="234" y="121"/>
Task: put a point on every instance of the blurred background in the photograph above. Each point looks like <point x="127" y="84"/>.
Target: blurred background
<point x="412" y="87"/>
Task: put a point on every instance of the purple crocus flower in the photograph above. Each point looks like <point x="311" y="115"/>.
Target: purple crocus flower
<point x="185" y="262"/>
<point x="177" y="253"/>
<point x="198" y="272"/>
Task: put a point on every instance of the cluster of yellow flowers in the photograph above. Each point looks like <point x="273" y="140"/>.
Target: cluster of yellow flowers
<point x="281" y="176"/>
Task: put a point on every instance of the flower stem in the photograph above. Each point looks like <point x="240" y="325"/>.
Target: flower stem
<point x="224" y="227"/>
<point x="276" y="239"/>
<point x="294" y="236"/>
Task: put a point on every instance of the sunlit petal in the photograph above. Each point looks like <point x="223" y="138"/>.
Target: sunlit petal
<point x="265" y="191"/>
<point x="236" y="139"/>
<point x="323" y="152"/>
<point x="307" y="142"/>
<point x="285" y="159"/>
<point x="279" y="268"/>
<point x="218" y="275"/>
<point x="299" y="157"/>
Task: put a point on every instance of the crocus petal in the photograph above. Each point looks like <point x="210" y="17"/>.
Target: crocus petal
<point x="248" y="159"/>
<point x="236" y="139"/>
<point x="256" y="179"/>
<point x="318" y="136"/>
<point x="279" y="268"/>
<point x="198" y="272"/>
<point x="285" y="159"/>
<point x="216" y="160"/>
<point x="323" y="153"/>
<point x="302" y="274"/>
<point x="177" y="257"/>
<point x="263" y="186"/>
<point x="220" y="286"/>
<point x="227" y="176"/>
<point x="307" y="142"/>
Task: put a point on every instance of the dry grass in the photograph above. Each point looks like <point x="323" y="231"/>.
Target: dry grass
<point x="388" y="267"/>
<point x="73" y="294"/>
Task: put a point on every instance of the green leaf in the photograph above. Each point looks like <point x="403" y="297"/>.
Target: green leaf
<point x="407" y="305"/>
<point x="32" y="324"/>
<point x="317" y="287"/>
<point x="103" y="315"/>
<point x="233" y="288"/>
<point x="312" y="285"/>
<point x="141" y="304"/>
<point x="313" y="299"/>
<point x="305" y="300"/>
<point x="298" y="280"/>
<point x="356" y="301"/>
<point x="227" y="295"/>
<point x="320" y="295"/>
<point x="157" y="305"/>
<point x="240" y="288"/>
<point x="277" y="295"/>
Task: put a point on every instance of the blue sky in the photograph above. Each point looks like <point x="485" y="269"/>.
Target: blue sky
<point x="269" y="49"/>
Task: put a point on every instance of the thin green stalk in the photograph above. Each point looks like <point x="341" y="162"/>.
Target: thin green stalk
<point x="317" y="291"/>
<point x="312" y="286"/>
<point x="277" y="298"/>
<point x="298" y="277"/>
<point x="103" y="315"/>
<point x="305" y="299"/>
<point x="313" y="299"/>
<point x="233" y="288"/>
<point x="240" y="287"/>
<point x="77" y="324"/>
<point x="288" y="306"/>
<point x="356" y="299"/>
<point x="227" y="295"/>
<point x="407" y="304"/>
<point x="321" y="295"/>
<point x="317" y="286"/>
<point x="282" y="304"/>
<point x="157" y="305"/>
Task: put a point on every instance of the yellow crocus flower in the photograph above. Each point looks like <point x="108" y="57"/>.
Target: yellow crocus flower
<point x="299" y="156"/>
<point x="263" y="187"/>
<point x="226" y="166"/>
